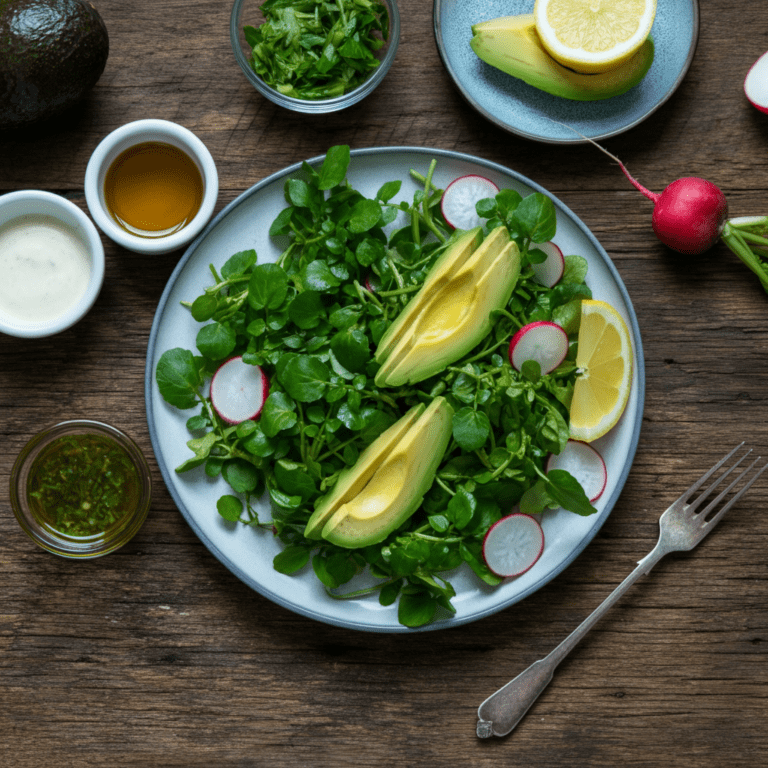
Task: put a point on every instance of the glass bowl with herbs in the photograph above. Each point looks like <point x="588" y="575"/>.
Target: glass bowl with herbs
<point x="81" y="489"/>
<point x="312" y="56"/>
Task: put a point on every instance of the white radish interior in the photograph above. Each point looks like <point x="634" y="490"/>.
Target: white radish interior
<point x="550" y="271"/>
<point x="238" y="390"/>
<point x="513" y="545"/>
<point x="460" y="198"/>
<point x="756" y="83"/>
<point x="542" y="341"/>
<point x="585" y="464"/>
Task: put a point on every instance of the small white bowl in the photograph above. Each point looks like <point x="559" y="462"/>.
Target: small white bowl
<point x="31" y="202"/>
<point x="139" y="132"/>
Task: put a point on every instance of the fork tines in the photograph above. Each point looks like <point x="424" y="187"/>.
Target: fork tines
<point x="708" y="510"/>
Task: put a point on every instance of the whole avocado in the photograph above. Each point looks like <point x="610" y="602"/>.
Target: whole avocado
<point x="52" y="52"/>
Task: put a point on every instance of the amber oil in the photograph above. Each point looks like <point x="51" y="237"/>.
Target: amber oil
<point x="153" y="189"/>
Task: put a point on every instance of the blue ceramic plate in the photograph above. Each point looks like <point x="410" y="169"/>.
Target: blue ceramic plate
<point x="526" y="111"/>
<point x="248" y="552"/>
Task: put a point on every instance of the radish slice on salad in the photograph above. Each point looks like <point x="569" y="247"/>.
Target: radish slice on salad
<point x="550" y="271"/>
<point x="238" y="391"/>
<point x="585" y="464"/>
<point x="756" y="84"/>
<point x="542" y="341"/>
<point x="513" y="544"/>
<point x="460" y="198"/>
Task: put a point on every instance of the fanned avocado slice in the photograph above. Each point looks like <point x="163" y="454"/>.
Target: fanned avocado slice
<point x="511" y="44"/>
<point x="456" y="318"/>
<point x="454" y="257"/>
<point x="353" y="479"/>
<point x="397" y="487"/>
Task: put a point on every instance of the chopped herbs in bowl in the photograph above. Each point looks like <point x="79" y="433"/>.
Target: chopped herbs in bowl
<point x="313" y="56"/>
<point x="81" y="489"/>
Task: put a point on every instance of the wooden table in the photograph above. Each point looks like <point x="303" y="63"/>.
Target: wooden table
<point x="159" y="656"/>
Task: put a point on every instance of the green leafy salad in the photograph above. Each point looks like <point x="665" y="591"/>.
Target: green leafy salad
<point x="308" y="49"/>
<point x="312" y="321"/>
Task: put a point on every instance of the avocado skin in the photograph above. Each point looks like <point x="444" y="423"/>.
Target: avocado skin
<point x="511" y="44"/>
<point x="52" y="52"/>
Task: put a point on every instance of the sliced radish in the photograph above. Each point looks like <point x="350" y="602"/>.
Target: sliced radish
<point x="585" y="464"/>
<point x="238" y="390"/>
<point x="513" y="544"/>
<point x="756" y="84"/>
<point x="460" y="198"/>
<point x="542" y="341"/>
<point x="550" y="271"/>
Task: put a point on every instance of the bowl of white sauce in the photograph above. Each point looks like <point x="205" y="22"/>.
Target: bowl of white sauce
<point x="51" y="263"/>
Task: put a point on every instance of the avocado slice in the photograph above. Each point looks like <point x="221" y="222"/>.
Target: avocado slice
<point x="52" y="53"/>
<point x="352" y="480"/>
<point x="511" y="44"/>
<point x="397" y="487"/>
<point x="441" y="271"/>
<point x="455" y="318"/>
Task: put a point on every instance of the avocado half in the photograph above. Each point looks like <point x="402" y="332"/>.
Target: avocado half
<point x="52" y="52"/>
<point x="451" y="315"/>
<point x="511" y="44"/>
<point x="383" y="491"/>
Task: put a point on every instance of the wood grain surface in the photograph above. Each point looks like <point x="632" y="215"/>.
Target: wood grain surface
<point x="158" y="656"/>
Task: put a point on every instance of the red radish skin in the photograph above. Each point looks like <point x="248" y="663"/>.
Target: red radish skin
<point x="513" y="545"/>
<point x="238" y="391"/>
<point x="550" y="271"/>
<point x="542" y="341"/>
<point x="584" y="462"/>
<point x="756" y="84"/>
<point x="460" y="198"/>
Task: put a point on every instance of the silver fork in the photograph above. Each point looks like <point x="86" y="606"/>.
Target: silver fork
<point x="682" y="528"/>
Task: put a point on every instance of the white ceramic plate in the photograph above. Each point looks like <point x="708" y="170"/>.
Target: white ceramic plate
<point x="248" y="553"/>
<point x="526" y="111"/>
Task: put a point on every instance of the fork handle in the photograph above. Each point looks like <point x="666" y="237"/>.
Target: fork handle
<point x="502" y="711"/>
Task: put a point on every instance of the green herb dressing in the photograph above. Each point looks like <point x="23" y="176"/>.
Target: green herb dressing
<point x="83" y="485"/>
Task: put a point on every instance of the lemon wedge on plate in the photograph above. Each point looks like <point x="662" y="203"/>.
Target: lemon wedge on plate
<point x="604" y="359"/>
<point x="592" y="36"/>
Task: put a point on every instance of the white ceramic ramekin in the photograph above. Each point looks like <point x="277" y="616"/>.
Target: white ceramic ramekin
<point x="30" y="202"/>
<point x="139" y="132"/>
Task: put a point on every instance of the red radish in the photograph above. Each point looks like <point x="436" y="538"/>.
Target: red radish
<point x="460" y="198"/>
<point x="550" y="271"/>
<point x="756" y="84"/>
<point x="688" y="216"/>
<point x="585" y="464"/>
<point x="542" y="341"/>
<point x="238" y="391"/>
<point x="513" y="544"/>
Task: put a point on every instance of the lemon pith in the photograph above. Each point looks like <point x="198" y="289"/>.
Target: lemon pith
<point x="604" y="359"/>
<point x="593" y="36"/>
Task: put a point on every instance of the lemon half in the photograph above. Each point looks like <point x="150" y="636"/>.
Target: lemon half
<point x="593" y="35"/>
<point x="604" y="358"/>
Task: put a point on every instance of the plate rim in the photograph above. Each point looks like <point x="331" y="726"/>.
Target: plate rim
<point x="222" y="557"/>
<point x="438" y="35"/>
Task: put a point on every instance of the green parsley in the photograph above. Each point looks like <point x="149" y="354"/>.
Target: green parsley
<point x="317" y="50"/>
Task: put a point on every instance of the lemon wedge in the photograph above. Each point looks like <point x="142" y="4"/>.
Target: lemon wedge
<point x="592" y="36"/>
<point x="604" y="359"/>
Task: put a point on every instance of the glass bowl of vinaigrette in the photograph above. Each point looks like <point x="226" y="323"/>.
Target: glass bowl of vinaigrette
<point x="81" y="489"/>
<point x="51" y="263"/>
<point x="151" y="186"/>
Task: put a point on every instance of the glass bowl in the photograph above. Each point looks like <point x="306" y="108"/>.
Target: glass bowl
<point x="78" y="452"/>
<point x="247" y="12"/>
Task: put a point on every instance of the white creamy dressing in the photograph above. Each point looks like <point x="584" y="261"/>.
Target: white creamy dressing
<point x="44" y="268"/>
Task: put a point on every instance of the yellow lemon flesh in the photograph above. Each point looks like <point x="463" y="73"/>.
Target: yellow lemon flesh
<point x="604" y="358"/>
<point x="593" y="36"/>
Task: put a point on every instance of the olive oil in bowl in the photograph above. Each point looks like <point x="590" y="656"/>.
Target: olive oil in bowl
<point x="153" y="189"/>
